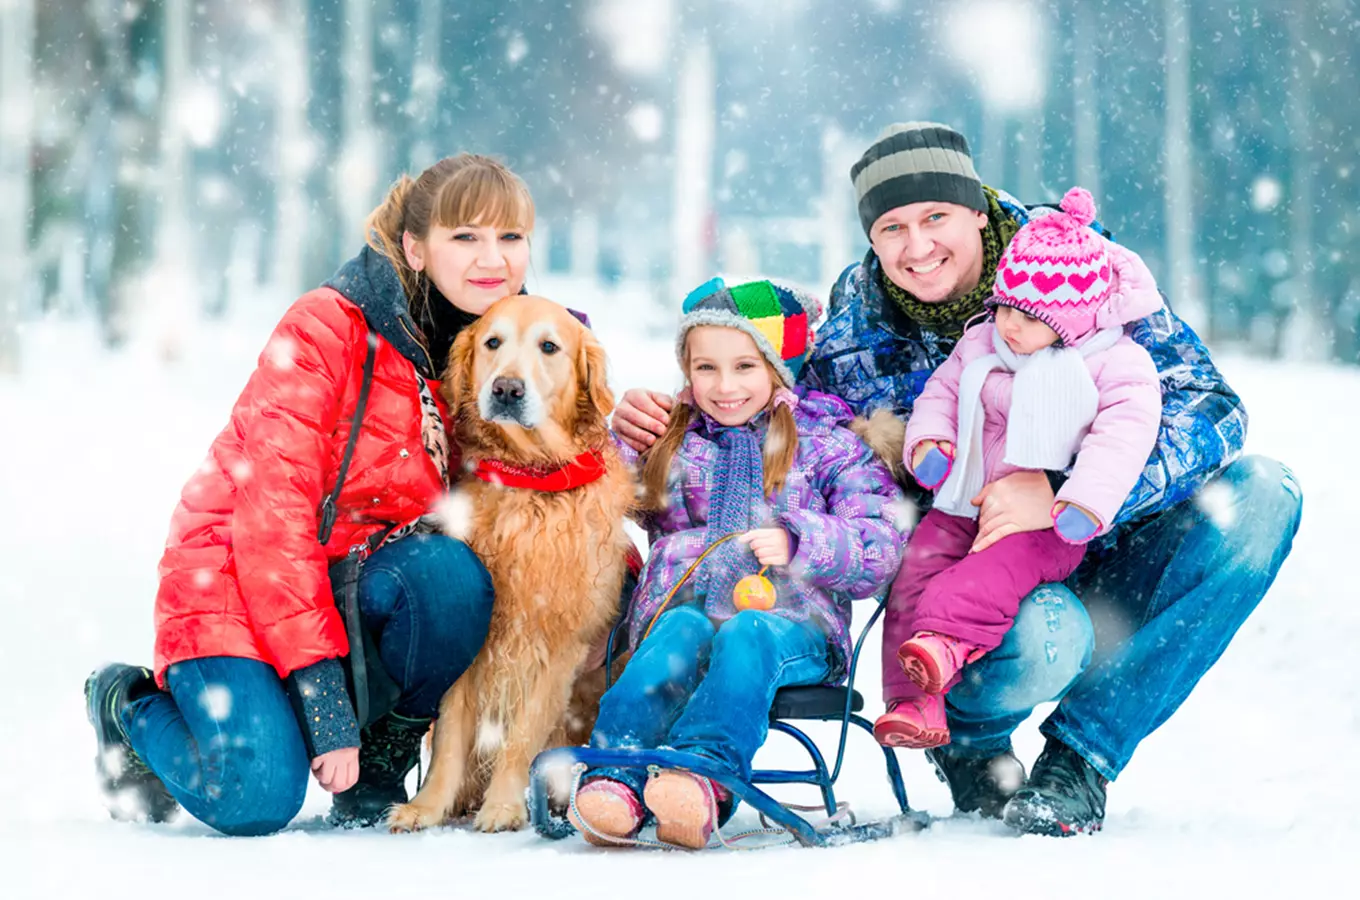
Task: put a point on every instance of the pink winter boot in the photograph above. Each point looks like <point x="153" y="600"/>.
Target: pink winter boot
<point x="917" y="723"/>
<point x="683" y="804"/>
<point x="610" y="809"/>
<point x="932" y="660"/>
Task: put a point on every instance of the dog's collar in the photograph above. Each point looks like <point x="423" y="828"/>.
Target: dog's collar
<point x="582" y="470"/>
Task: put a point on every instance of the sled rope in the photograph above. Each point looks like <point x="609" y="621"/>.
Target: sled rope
<point x="675" y="589"/>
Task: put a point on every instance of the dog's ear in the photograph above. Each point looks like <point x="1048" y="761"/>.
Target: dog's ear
<point x="591" y="370"/>
<point x="458" y="372"/>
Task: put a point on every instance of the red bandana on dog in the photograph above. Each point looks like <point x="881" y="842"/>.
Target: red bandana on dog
<point x="584" y="469"/>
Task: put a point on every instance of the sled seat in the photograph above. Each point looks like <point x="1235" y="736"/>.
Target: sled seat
<point x="817" y="702"/>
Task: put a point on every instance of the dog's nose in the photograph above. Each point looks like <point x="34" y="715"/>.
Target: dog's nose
<point x="508" y="390"/>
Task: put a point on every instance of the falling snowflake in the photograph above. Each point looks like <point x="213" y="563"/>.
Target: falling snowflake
<point x="1266" y="193"/>
<point x="281" y="353"/>
<point x="454" y="513"/>
<point x="646" y="121"/>
<point x="1218" y="501"/>
<point x="516" y="49"/>
<point x="216" y="701"/>
<point x="490" y="736"/>
<point x="903" y="514"/>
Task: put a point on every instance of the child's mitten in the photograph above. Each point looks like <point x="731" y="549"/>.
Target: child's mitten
<point x="934" y="468"/>
<point x="1075" y="526"/>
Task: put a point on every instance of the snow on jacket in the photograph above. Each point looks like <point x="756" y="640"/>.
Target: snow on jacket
<point x="839" y="505"/>
<point x="875" y="358"/>
<point x="243" y="574"/>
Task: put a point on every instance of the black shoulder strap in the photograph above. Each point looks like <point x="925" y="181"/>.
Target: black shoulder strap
<point x="323" y="531"/>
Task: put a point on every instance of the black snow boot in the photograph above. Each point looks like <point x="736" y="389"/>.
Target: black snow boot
<point x="978" y="784"/>
<point x="388" y="750"/>
<point x="1065" y="795"/>
<point x="132" y="792"/>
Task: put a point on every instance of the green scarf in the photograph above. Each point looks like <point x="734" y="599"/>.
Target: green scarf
<point x="948" y="318"/>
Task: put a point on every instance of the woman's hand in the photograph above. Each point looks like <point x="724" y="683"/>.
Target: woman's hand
<point x="337" y="770"/>
<point x="770" y="545"/>
<point x="641" y="416"/>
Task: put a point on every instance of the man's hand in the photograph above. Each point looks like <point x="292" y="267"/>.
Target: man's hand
<point x="770" y="545"/>
<point x="641" y="416"/>
<point x="337" y="770"/>
<point x="1022" y="501"/>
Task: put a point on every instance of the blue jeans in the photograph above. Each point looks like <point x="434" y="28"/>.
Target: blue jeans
<point x="1156" y="612"/>
<point x="225" y="739"/>
<point x="707" y="690"/>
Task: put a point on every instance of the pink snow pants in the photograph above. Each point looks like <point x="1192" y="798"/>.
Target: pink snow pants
<point x="974" y="597"/>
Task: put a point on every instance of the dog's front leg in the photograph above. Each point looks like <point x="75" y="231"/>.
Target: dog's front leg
<point x="546" y="693"/>
<point x="453" y="733"/>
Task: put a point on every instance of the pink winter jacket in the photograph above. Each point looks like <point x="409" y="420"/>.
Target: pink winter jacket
<point x="1115" y="449"/>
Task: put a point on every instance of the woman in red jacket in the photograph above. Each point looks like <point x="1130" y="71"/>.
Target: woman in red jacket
<point x="249" y="692"/>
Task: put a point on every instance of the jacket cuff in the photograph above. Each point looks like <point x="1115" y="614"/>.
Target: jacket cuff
<point x="323" y="707"/>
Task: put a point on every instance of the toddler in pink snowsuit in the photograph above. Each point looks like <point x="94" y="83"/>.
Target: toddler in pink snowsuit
<point x="1051" y="377"/>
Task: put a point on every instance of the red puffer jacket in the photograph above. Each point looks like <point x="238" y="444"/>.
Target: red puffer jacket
<point x="243" y="574"/>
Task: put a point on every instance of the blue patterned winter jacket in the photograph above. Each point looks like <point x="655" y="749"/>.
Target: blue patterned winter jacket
<point x="874" y="357"/>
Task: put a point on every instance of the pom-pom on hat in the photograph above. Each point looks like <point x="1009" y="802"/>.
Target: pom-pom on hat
<point x="777" y="317"/>
<point x="1056" y="268"/>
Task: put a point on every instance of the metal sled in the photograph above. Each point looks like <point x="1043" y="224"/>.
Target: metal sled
<point x="821" y="703"/>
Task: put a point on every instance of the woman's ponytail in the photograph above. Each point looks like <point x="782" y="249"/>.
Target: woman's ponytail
<point x="384" y="227"/>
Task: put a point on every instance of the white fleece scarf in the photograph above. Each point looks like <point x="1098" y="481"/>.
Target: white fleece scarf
<point x="1053" y="402"/>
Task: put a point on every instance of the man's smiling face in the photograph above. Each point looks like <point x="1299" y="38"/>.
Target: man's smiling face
<point x="931" y="250"/>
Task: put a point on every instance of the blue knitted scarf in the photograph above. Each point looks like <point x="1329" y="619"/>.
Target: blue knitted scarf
<point x="738" y="495"/>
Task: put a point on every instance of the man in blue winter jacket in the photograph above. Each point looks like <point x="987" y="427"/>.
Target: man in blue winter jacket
<point x="1156" y="600"/>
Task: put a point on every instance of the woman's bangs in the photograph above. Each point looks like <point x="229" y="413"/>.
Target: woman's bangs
<point x="484" y="197"/>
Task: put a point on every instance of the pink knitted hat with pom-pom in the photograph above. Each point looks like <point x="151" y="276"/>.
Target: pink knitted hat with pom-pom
<point x="1056" y="269"/>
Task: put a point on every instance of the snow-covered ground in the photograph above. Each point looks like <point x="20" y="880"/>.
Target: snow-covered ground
<point x="1248" y="791"/>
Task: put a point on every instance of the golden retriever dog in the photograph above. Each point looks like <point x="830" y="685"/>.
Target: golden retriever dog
<point x="527" y="386"/>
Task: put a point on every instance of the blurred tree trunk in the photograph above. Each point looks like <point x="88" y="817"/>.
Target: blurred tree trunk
<point x="1086" y="98"/>
<point x="328" y="243"/>
<point x="356" y="172"/>
<point x="1184" y="284"/>
<point x="294" y="149"/>
<point x="173" y="300"/>
<point x="427" y="78"/>
<point x="128" y="48"/>
<point x="1307" y="330"/>
<point x="16" y="141"/>
<point x="694" y="127"/>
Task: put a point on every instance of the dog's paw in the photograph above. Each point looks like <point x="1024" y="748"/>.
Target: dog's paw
<point x="501" y="817"/>
<point x="405" y="817"/>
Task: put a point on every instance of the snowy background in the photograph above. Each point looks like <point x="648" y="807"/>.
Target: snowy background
<point x="180" y="163"/>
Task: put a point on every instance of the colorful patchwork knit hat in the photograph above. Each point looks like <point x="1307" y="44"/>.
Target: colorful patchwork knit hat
<point x="777" y="317"/>
<point x="1056" y="269"/>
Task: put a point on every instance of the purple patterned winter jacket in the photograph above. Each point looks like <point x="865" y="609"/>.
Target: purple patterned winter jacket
<point x="840" y="505"/>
